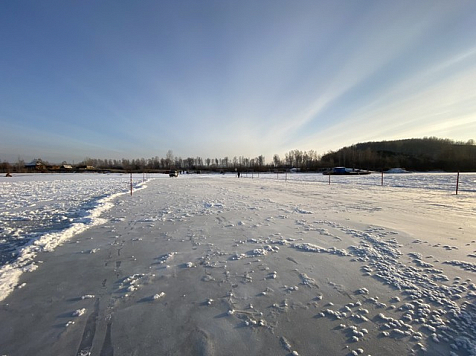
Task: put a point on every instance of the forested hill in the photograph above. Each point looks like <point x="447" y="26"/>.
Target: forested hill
<point x="425" y="154"/>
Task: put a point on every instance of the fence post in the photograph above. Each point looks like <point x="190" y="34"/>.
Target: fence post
<point x="457" y="183"/>
<point x="329" y="178"/>
<point x="382" y="179"/>
<point x="131" y="183"/>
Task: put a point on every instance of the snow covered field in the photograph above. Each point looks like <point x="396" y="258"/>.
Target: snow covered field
<point x="216" y="265"/>
<point x="439" y="181"/>
<point x="39" y="211"/>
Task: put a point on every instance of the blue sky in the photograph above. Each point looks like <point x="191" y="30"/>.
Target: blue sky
<point x="114" y="79"/>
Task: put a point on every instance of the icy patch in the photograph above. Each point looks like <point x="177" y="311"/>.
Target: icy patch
<point x="420" y="283"/>
<point x="302" y="211"/>
<point x="133" y="283"/>
<point x="308" y="281"/>
<point x="362" y="291"/>
<point x="309" y="247"/>
<point x="318" y="249"/>
<point x="258" y="252"/>
<point x="79" y="312"/>
<point x="167" y="257"/>
<point x="468" y="266"/>
<point x="158" y="296"/>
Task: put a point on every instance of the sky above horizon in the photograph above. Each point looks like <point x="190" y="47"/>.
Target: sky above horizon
<point x="224" y="78"/>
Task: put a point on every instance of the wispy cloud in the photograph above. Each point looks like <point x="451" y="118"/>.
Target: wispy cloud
<point x="444" y="107"/>
<point x="228" y="78"/>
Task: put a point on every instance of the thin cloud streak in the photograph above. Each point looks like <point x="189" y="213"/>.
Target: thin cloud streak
<point x="229" y="79"/>
<point x="359" y="64"/>
<point x="436" y="110"/>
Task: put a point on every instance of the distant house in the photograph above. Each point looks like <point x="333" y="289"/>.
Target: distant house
<point x="85" y="168"/>
<point x="66" y="167"/>
<point x="36" y="165"/>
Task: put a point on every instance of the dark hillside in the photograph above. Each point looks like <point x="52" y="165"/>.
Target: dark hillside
<point x="413" y="154"/>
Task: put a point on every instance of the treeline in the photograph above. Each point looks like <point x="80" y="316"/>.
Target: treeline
<point x="413" y="154"/>
<point x="427" y="154"/>
<point x="304" y="160"/>
<point x="173" y="162"/>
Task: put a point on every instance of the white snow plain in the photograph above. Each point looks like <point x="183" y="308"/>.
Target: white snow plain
<point x="40" y="211"/>
<point x="214" y="265"/>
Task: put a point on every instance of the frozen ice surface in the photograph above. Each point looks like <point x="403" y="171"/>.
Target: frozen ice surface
<point x="209" y="264"/>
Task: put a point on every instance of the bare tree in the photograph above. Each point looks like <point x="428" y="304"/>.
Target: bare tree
<point x="169" y="159"/>
<point x="260" y="161"/>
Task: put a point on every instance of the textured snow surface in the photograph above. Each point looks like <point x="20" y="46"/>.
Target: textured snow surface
<point x="216" y="265"/>
<point x="40" y="211"/>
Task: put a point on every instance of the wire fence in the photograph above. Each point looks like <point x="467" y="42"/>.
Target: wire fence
<point x="455" y="182"/>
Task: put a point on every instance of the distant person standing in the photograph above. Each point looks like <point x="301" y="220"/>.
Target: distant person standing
<point x="238" y="174"/>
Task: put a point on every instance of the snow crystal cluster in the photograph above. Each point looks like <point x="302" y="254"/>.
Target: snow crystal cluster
<point x="166" y="258"/>
<point x="432" y="305"/>
<point x="318" y="249"/>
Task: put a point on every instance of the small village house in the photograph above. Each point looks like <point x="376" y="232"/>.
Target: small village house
<point x="37" y="165"/>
